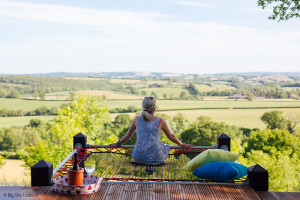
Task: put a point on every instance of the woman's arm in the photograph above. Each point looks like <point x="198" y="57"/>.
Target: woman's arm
<point x="128" y="135"/>
<point x="171" y="136"/>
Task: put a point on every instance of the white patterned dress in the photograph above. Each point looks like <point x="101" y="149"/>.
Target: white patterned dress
<point x="148" y="149"/>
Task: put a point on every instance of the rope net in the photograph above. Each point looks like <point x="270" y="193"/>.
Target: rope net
<point x="116" y="164"/>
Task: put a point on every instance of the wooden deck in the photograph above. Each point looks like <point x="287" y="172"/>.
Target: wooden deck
<point x="114" y="191"/>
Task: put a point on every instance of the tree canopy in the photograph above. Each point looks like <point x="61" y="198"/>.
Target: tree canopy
<point x="283" y="9"/>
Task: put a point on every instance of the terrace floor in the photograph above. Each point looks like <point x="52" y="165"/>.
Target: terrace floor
<point x="151" y="191"/>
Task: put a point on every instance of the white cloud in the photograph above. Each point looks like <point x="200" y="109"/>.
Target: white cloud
<point x="144" y="41"/>
<point x="192" y="3"/>
<point x="74" y="15"/>
<point x="258" y="9"/>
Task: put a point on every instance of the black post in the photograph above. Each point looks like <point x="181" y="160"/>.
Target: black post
<point x="258" y="178"/>
<point x="82" y="140"/>
<point x="223" y="142"/>
<point x="42" y="173"/>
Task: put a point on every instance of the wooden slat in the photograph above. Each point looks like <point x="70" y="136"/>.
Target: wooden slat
<point x="174" y="192"/>
<point x="189" y="192"/>
<point x="282" y="195"/>
<point x="219" y="192"/>
<point x="20" y="192"/>
<point x="160" y="192"/>
<point x="100" y="195"/>
<point x="149" y="191"/>
<point x="266" y="195"/>
<point x="249" y="192"/>
<point x="233" y="192"/>
<point x="294" y="195"/>
<point x="204" y="192"/>
<point x="52" y="195"/>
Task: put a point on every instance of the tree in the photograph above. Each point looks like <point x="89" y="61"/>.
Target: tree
<point x="42" y="110"/>
<point x="1" y="161"/>
<point x="144" y="93"/>
<point x="42" y="95"/>
<point x="2" y="93"/>
<point x="153" y="94"/>
<point x="35" y="95"/>
<point x="85" y="115"/>
<point x="205" y="133"/>
<point x="13" y="140"/>
<point x="72" y="95"/>
<point x="35" y="122"/>
<point x="249" y="96"/>
<point x="283" y="168"/>
<point x="283" y="10"/>
<point x="292" y="119"/>
<point x="273" y="119"/>
<point x="180" y="122"/>
<point x="122" y="120"/>
<point x="13" y="94"/>
<point x="204" y="118"/>
<point x="183" y="95"/>
<point x="270" y="141"/>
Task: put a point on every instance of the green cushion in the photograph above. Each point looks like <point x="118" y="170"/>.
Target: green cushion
<point x="210" y="155"/>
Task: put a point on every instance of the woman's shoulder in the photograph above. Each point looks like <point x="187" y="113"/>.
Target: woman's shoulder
<point x="136" y="118"/>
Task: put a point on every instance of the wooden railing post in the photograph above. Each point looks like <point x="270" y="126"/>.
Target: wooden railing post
<point x="258" y="178"/>
<point x="80" y="141"/>
<point x="223" y="142"/>
<point x="42" y="174"/>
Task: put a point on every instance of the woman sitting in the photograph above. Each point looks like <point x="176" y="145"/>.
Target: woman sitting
<point x="148" y="149"/>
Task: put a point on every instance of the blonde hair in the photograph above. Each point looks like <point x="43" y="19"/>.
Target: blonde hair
<point x="148" y="106"/>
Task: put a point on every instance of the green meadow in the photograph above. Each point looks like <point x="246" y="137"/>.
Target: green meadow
<point x="241" y="113"/>
<point x="209" y="104"/>
<point x="26" y="104"/>
<point x="165" y="90"/>
<point x="21" y="121"/>
<point x="246" y="118"/>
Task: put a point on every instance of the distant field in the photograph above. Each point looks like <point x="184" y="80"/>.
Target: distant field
<point x="125" y="81"/>
<point x="241" y="112"/>
<point x="85" y="78"/>
<point x="206" y="88"/>
<point x="157" y="82"/>
<point x="172" y="104"/>
<point x="21" y="121"/>
<point x="161" y="91"/>
<point x="247" y="118"/>
<point x="290" y="88"/>
<point x="13" y="173"/>
<point x="27" y="105"/>
<point x="109" y="94"/>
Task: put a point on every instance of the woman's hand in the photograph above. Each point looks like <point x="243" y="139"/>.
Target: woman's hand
<point x="186" y="146"/>
<point x="113" y="145"/>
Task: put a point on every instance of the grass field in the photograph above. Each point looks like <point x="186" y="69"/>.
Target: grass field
<point x="241" y="113"/>
<point x="21" y="121"/>
<point x="247" y="118"/>
<point x="26" y="104"/>
<point x="109" y="94"/>
<point x="13" y="173"/>
<point x="125" y="81"/>
<point x="220" y="87"/>
<point x="161" y="91"/>
<point x="290" y="88"/>
<point x="172" y="104"/>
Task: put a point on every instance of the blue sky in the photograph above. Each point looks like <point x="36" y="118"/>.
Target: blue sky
<point x="193" y="36"/>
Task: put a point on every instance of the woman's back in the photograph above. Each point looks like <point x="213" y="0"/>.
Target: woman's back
<point x="149" y="149"/>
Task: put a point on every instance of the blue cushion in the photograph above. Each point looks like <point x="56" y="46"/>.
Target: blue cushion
<point x="221" y="171"/>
